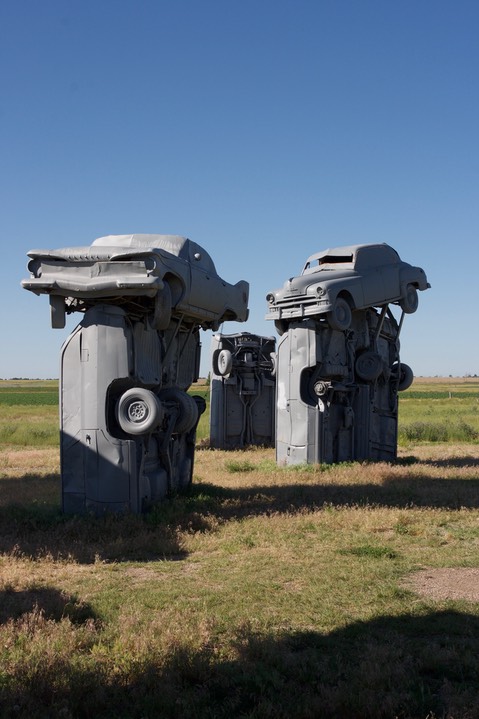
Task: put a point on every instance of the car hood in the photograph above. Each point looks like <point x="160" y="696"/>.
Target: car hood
<point x="300" y="284"/>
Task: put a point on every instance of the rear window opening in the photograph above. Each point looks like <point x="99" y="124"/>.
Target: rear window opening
<point x="316" y="262"/>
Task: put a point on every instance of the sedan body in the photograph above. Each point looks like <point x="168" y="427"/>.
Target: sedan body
<point x="354" y="277"/>
<point x="138" y="272"/>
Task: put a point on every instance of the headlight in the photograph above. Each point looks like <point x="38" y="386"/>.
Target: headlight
<point x="270" y="297"/>
<point x="319" y="291"/>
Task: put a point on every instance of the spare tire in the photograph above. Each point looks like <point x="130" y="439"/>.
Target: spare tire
<point x="138" y="411"/>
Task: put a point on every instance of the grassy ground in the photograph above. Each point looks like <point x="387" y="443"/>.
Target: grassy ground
<point x="265" y="592"/>
<point x="438" y="410"/>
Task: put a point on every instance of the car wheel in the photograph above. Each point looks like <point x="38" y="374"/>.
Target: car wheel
<point x="188" y="410"/>
<point x="138" y="411"/>
<point x="200" y="403"/>
<point x="369" y="366"/>
<point x="57" y="311"/>
<point x="281" y="327"/>
<point x="274" y="364"/>
<point x="410" y="301"/>
<point x="225" y="362"/>
<point x="341" y="315"/>
<point x="405" y="378"/>
<point x="161" y="317"/>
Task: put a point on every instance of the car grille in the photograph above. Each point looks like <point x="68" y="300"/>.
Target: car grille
<point x="297" y="306"/>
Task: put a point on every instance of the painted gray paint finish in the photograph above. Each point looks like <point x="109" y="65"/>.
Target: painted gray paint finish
<point x="338" y="366"/>
<point x="335" y="282"/>
<point x="242" y="408"/>
<point x="127" y="423"/>
<point x="337" y="391"/>
<point x="155" y="275"/>
<point x="121" y="457"/>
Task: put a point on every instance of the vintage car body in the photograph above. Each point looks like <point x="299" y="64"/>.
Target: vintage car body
<point x="337" y="281"/>
<point x="159" y="275"/>
<point x="336" y="397"/>
<point x="242" y="390"/>
<point x="127" y="420"/>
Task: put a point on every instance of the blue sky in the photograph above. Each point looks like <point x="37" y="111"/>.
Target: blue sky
<point x="264" y="130"/>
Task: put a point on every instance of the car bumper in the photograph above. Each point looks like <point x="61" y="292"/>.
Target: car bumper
<point x="94" y="280"/>
<point x="300" y="308"/>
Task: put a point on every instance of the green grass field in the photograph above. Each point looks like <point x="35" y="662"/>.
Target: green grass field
<point x="440" y="411"/>
<point x="265" y="592"/>
<point x="431" y="411"/>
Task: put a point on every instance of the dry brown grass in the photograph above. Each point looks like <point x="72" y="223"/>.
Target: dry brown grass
<point x="266" y="592"/>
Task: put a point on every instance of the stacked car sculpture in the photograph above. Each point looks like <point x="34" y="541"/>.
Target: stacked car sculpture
<point x="127" y="421"/>
<point x="338" y="367"/>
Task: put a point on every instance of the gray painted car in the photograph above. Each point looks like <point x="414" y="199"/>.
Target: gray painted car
<point x="337" y="281"/>
<point x="155" y="275"/>
<point x="242" y="390"/>
<point x="127" y="420"/>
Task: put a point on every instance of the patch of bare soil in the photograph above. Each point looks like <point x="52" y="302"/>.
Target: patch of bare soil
<point x="445" y="583"/>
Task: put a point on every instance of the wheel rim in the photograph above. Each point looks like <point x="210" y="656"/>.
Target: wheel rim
<point x="138" y="412"/>
<point x="225" y="362"/>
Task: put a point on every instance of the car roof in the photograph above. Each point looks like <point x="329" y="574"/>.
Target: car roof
<point x="174" y="244"/>
<point x="347" y="253"/>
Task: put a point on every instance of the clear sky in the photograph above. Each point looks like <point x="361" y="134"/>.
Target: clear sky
<point x="264" y="130"/>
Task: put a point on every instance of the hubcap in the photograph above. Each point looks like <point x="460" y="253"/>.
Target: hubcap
<point x="137" y="411"/>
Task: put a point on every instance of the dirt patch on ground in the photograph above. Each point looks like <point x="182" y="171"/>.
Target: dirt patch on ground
<point x="445" y="583"/>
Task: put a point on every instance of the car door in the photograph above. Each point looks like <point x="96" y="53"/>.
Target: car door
<point x="371" y="273"/>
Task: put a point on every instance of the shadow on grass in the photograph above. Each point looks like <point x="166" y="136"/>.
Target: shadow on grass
<point x="50" y="602"/>
<point x="458" y="462"/>
<point x="395" y="492"/>
<point x="409" y="667"/>
<point x="33" y="525"/>
<point x="37" y="527"/>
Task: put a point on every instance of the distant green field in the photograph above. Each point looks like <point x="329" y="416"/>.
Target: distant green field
<point x="431" y="394"/>
<point x="439" y="410"/>
<point x="29" y="413"/>
<point x="27" y="396"/>
<point x="443" y="410"/>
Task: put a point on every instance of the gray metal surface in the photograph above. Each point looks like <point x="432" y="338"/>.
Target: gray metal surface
<point x="127" y="423"/>
<point x="154" y="275"/>
<point x="335" y="282"/>
<point x="338" y="365"/>
<point x="242" y="408"/>
<point x="337" y="394"/>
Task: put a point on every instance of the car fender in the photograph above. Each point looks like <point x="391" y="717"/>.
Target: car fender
<point x="351" y="290"/>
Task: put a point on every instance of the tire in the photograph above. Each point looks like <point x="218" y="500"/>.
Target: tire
<point x="369" y="366"/>
<point x="188" y="410"/>
<point x="281" y="327"/>
<point x="200" y="403"/>
<point x="341" y="315"/>
<point x="57" y="312"/>
<point x="138" y="411"/>
<point x="225" y="363"/>
<point x="161" y="317"/>
<point x="274" y="363"/>
<point x="409" y="302"/>
<point x="405" y="378"/>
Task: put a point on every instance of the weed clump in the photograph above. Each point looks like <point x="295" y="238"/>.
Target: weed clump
<point x="437" y="432"/>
